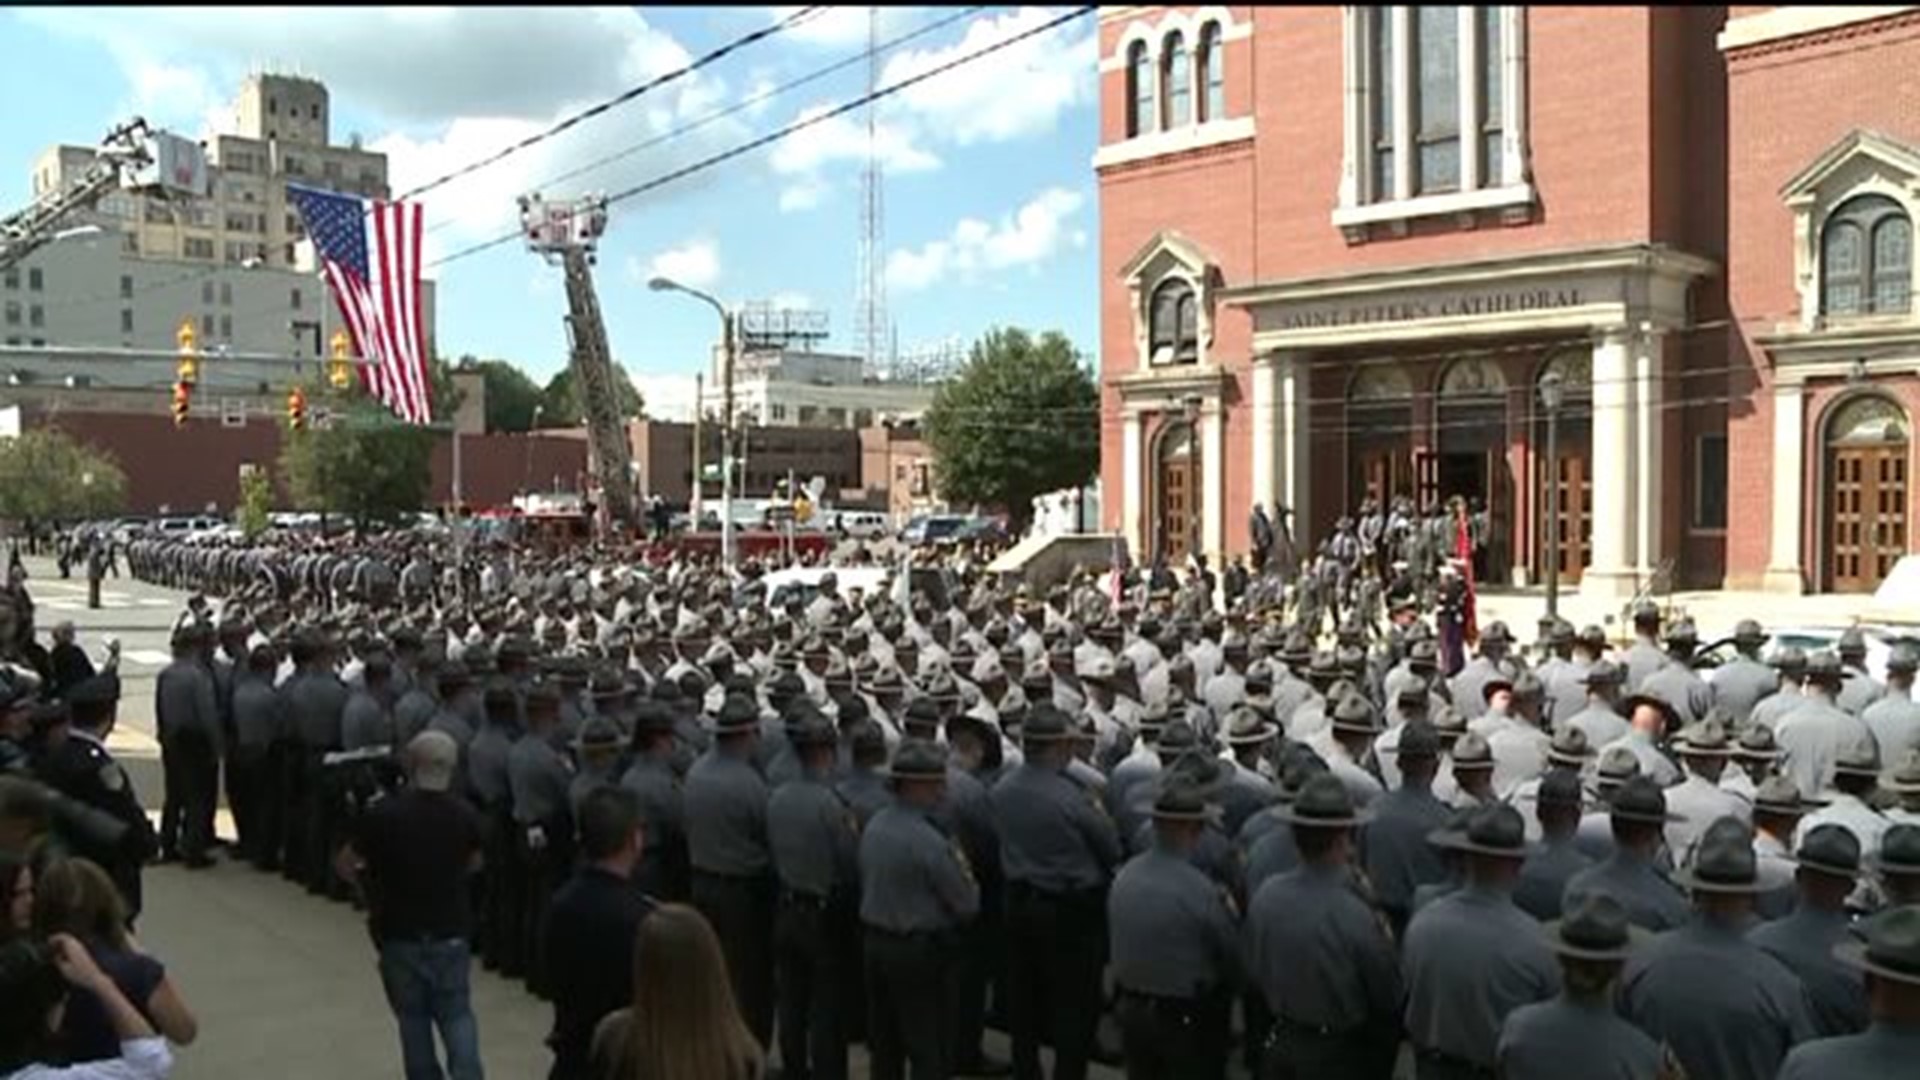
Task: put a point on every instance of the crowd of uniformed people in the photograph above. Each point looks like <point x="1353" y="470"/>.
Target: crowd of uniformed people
<point x="1109" y="819"/>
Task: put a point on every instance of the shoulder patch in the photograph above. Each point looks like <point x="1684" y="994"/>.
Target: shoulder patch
<point x="112" y="777"/>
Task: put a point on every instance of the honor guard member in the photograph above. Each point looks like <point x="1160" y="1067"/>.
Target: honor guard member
<point x="916" y="892"/>
<point x="1726" y="1007"/>
<point x="1828" y="866"/>
<point x="187" y="715"/>
<point x="664" y="871"/>
<point x="539" y="777"/>
<point x="1638" y="814"/>
<point x="1576" y="1035"/>
<point x="1472" y="957"/>
<point x="814" y="840"/>
<point x="81" y="768"/>
<point x="1174" y="948"/>
<point x="1861" y="689"/>
<point x="1790" y="665"/>
<point x="1677" y="683"/>
<point x="1895" y="718"/>
<point x="1492" y="663"/>
<point x="1321" y="954"/>
<point x="1742" y="683"/>
<point x="1890" y="960"/>
<point x="1393" y="846"/>
<point x="1646" y="656"/>
<point x="1600" y="719"/>
<point x="1544" y="876"/>
<point x="1058" y="849"/>
<point x="1703" y="749"/>
<point x="733" y="884"/>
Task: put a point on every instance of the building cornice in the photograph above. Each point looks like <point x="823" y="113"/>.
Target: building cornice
<point x="1784" y="25"/>
<point x="1156" y="145"/>
<point x="1648" y="257"/>
<point x="1885" y="347"/>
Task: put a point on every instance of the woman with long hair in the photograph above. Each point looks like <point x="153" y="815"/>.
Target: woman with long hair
<point x="16" y="897"/>
<point x="35" y="983"/>
<point x="683" y="1024"/>
<point x="75" y="896"/>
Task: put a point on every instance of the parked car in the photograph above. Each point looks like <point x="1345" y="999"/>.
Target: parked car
<point x="1812" y="639"/>
<point x="932" y="528"/>
<point x="860" y="524"/>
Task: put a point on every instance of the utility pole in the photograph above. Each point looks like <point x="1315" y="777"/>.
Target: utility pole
<point x="1552" y="395"/>
<point x="726" y="440"/>
<point x="699" y="412"/>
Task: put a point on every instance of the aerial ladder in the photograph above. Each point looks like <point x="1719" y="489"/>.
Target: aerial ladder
<point x="132" y="157"/>
<point x="566" y="232"/>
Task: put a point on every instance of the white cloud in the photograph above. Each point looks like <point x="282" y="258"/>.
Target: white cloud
<point x="793" y="301"/>
<point x="695" y="263"/>
<point x="843" y="138"/>
<point x="1017" y="92"/>
<point x="804" y="195"/>
<point x="841" y="25"/>
<point x="1027" y="237"/>
<point x="668" y="397"/>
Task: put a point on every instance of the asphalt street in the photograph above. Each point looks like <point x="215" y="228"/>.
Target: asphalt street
<point x="283" y="983"/>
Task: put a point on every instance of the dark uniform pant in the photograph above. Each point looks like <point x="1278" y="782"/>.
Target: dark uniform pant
<point x="811" y="942"/>
<point x="1166" y="1038"/>
<point x="191" y="767"/>
<point x="545" y="869"/>
<point x="1308" y="1052"/>
<point x="1056" y="949"/>
<point x="502" y="885"/>
<point x="246" y="767"/>
<point x="741" y="911"/>
<point x="910" y="1003"/>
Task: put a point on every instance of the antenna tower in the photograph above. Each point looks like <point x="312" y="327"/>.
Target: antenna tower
<point x="870" y="329"/>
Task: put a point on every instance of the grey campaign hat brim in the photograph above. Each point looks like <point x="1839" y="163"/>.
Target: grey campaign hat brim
<point x="1636" y="937"/>
<point x="1690" y="880"/>
<point x="1858" y="955"/>
<point x="1289" y="813"/>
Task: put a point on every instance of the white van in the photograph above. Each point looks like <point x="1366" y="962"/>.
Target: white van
<point x="860" y="524"/>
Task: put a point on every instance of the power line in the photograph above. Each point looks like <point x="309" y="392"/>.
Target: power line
<point x="795" y="127"/>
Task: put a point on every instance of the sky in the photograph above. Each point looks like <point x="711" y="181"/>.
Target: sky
<point x="989" y="190"/>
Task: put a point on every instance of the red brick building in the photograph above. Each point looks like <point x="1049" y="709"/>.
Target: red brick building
<point x="1342" y="247"/>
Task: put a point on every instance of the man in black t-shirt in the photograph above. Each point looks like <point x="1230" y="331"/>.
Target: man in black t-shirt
<point x="591" y="925"/>
<point x="413" y="854"/>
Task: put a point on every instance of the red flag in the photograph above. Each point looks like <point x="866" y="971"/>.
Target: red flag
<point x="1463" y="550"/>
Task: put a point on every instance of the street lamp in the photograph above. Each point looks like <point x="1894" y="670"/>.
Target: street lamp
<point x="1192" y="403"/>
<point x="661" y="284"/>
<point x="1553" y="394"/>
<point x="526" y="480"/>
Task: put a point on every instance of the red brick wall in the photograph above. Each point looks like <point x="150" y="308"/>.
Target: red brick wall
<point x="1787" y="103"/>
<point x="187" y="468"/>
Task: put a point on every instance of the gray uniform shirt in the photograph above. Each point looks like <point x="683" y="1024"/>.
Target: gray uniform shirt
<point x="1727" y="1008"/>
<point x="1804" y="941"/>
<point x="1740" y="685"/>
<point x="184" y="701"/>
<point x="1895" y="723"/>
<point x="1641" y="661"/>
<point x="411" y="713"/>
<point x="1471" y="958"/>
<point x="1054" y="834"/>
<point x="865" y="791"/>
<point x="1883" y="1050"/>
<point x="1652" y="901"/>
<point x="256" y="715"/>
<point x="1812" y="737"/>
<point x="1598" y="721"/>
<point x="1569" y="1039"/>
<point x="1319" y="953"/>
<point x="365" y="722"/>
<point x="1544" y="877"/>
<point x="726" y="816"/>
<point x="913" y="878"/>
<point x="1170" y="930"/>
<point x="487" y="758"/>
<point x="662" y="814"/>
<point x="1859" y="692"/>
<point x="813" y="837"/>
<point x="539" y="778"/>
<point x="1678" y="686"/>
<point x="314" y="703"/>
<point x="1394" y="846"/>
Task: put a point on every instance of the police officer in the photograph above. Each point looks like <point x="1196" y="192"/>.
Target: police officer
<point x="1646" y="656"/>
<point x="1861" y="689"/>
<point x="814" y="839"/>
<point x="187" y="714"/>
<point x="664" y="871"/>
<point x="733" y="883"/>
<point x="1322" y="955"/>
<point x="916" y="890"/>
<point x="1394" y="845"/>
<point x="251" y="766"/>
<point x="1174" y="948"/>
<point x="1577" y="1035"/>
<point x="1676" y="682"/>
<point x="539" y="776"/>
<point x="1814" y="734"/>
<point x="1600" y="720"/>
<point x="1544" y="876"/>
<point x="503" y="878"/>
<point x="1827" y="866"/>
<point x="1637" y="812"/>
<point x="1742" y="683"/>
<point x="1890" y="959"/>
<point x="312" y="702"/>
<point x="1895" y="718"/>
<point x="1472" y="956"/>
<point x="81" y="768"/>
<point x="1727" y="1008"/>
<point x="1058" y="848"/>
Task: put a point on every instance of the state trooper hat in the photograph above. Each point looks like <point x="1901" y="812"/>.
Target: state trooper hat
<point x="1779" y="795"/>
<point x="1046" y="723"/>
<point x="918" y="759"/>
<point x="813" y="729"/>
<point x="1852" y="642"/>
<point x="1748" y="632"/>
<point x="1325" y="803"/>
<point x="1904" y="659"/>
<point x="1892" y="946"/>
<point x="737" y="714"/>
<point x="652" y="717"/>
<point x="1831" y="850"/>
<point x="1704" y="738"/>
<point x="1603" y="673"/>
<point x="1824" y="667"/>
<point x="1176" y="735"/>
<point x="1791" y="660"/>
<point x="1899" y="854"/>
<point x="1904" y="778"/>
<point x="1859" y="756"/>
<point x="102" y="689"/>
<point x="1179" y="801"/>
<point x="597" y="734"/>
<point x="1561" y="787"/>
<point x="1596" y="928"/>
<point x="1724" y="862"/>
<point x="1497" y="633"/>
<point x="1494" y="829"/>
<point x="1569" y="748"/>
<point x="1641" y="800"/>
<point x="1354" y="714"/>
<point x="1756" y="744"/>
<point x="1418" y="739"/>
<point x="1471" y="753"/>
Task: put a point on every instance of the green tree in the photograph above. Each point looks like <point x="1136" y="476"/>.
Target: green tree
<point x="443" y="396"/>
<point x="560" y="401"/>
<point x="511" y="395"/>
<point x="363" y="464"/>
<point x="256" y="501"/>
<point x="48" y="475"/>
<point x="1022" y="418"/>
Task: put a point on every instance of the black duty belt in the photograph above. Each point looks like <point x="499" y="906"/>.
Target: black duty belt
<point x="1284" y="1026"/>
<point x="1020" y="890"/>
<point x="803" y="899"/>
<point x="1181" y="1002"/>
<point x="942" y="934"/>
<point x="1456" y="1064"/>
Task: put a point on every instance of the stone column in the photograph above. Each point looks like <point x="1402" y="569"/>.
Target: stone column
<point x="1616" y="532"/>
<point x="1213" y="481"/>
<point x="1133" y="484"/>
<point x="1649" y="380"/>
<point x="1783" y="574"/>
<point x="1265" y="404"/>
<point x="1292" y="431"/>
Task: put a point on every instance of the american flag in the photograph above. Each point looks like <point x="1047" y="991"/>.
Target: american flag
<point x="370" y="254"/>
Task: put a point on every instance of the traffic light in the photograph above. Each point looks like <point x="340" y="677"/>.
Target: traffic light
<point x="189" y="353"/>
<point x="297" y="409"/>
<point x="340" y="370"/>
<point x="182" y="403"/>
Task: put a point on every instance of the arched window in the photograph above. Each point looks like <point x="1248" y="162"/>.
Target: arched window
<point x="1174" y="325"/>
<point x="1866" y="258"/>
<point x="1176" y="86"/>
<point x="1139" y="90"/>
<point x="1213" y="74"/>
